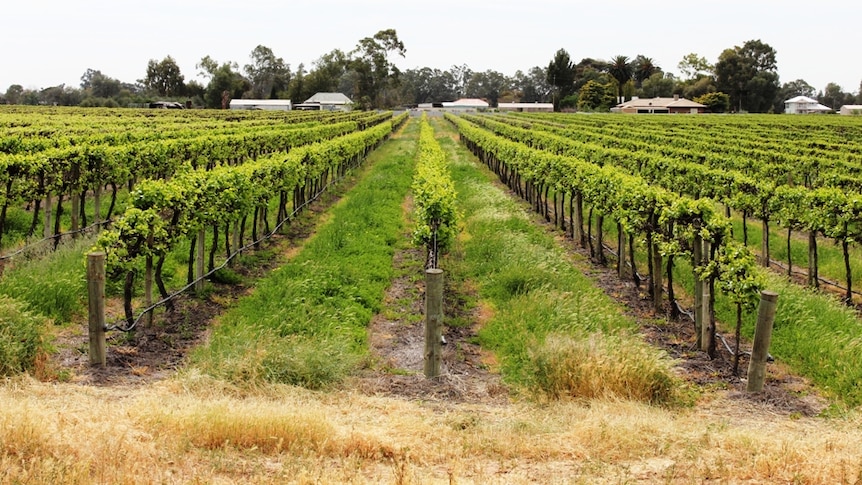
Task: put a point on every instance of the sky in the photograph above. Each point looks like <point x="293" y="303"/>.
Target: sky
<point x="46" y="43"/>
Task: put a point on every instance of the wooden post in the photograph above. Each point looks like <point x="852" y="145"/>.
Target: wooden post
<point x="76" y="210"/>
<point x="706" y="335"/>
<point x="813" y="277"/>
<point x="433" y="321"/>
<point x="762" y="339"/>
<point x="622" y="240"/>
<point x="696" y="256"/>
<point x="148" y="288"/>
<point x="656" y="277"/>
<point x="47" y="230"/>
<point x="200" y="260"/>
<point x="97" y="203"/>
<point x="96" y="303"/>
<point x="764" y="244"/>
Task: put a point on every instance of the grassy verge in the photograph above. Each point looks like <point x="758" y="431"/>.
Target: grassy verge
<point x="306" y="323"/>
<point x="552" y="329"/>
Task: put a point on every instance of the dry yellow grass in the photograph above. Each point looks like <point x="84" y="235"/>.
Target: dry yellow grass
<point x="193" y="430"/>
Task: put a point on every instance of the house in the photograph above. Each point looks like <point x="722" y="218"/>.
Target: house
<point x="674" y="105"/>
<point x="851" y="109"/>
<point x="526" y="107"/>
<point x="261" y="104"/>
<point x="801" y="105"/>
<point x="327" y="102"/>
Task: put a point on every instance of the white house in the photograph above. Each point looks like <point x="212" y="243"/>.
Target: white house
<point x="851" y="109"/>
<point x="261" y="104"/>
<point x="801" y="105"/>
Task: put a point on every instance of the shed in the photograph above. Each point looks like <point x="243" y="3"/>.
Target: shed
<point x="466" y="104"/>
<point x="327" y="102"/>
<point x="526" y="107"/>
<point x="851" y="109"/>
<point x="261" y="104"/>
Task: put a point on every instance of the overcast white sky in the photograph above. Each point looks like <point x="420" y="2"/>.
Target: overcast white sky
<point x="48" y="42"/>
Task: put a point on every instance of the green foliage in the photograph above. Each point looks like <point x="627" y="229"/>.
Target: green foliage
<point x="716" y="102"/>
<point x="21" y="337"/>
<point x="594" y="96"/>
<point x="434" y="197"/>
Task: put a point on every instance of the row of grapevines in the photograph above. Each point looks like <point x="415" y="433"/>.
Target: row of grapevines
<point x="670" y="225"/>
<point x="433" y="196"/>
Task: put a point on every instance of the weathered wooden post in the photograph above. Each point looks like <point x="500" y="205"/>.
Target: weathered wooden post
<point x="200" y="261"/>
<point x="433" y="321"/>
<point x="762" y="338"/>
<point x="96" y="299"/>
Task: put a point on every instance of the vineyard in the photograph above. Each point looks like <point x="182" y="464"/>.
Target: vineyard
<point x="602" y="275"/>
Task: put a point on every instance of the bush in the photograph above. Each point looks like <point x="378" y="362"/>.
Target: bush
<point x="21" y="339"/>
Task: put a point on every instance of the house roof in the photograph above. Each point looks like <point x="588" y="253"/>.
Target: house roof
<point x="660" y="103"/>
<point x="525" y="105"/>
<point x="470" y="102"/>
<point x="259" y="102"/>
<point x="801" y="99"/>
<point x="329" y="98"/>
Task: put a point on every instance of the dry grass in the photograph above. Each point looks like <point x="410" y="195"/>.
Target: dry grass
<point x="194" y="430"/>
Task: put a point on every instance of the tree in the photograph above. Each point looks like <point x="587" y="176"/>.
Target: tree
<point x="749" y="75"/>
<point x="268" y="74"/>
<point x="98" y="85"/>
<point x="590" y="70"/>
<point x="488" y="85"/>
<point x="643" y="68"/>
<point x="374" y="71"/>
<point x="621" y="70"/>
<point x="834" y="97"/>
<point x="14" y="94"/>
<point x="533" y="85"/>
<point x="561" y="75"/>
<point x="426" y="85"/>
<point x="326" y="75"/>
<point x="164" y="77"/>
<point x="658" y="85"/>
<point x="596" y="97"/>
<point x="462" y="75"/>
<point x="693" y="66"/>
<point x="715" y="102"/>
<point x="224" y="82"/>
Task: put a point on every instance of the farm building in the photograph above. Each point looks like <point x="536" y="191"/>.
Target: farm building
<point x="327" y="102"/>
<point x="261" y="104"/>
<point x="466" y="104"/>
<point x="674" y="105"/>
<point x="801" y="105"/>
<point x="526" y="107"/>
<point x="851" y="109"/>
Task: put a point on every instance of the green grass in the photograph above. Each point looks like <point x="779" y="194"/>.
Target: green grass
<point x="54" y="285"/>
<point x="543" y="306"/>
<point x="22" y="337"/>
<point x="306" y="323"/>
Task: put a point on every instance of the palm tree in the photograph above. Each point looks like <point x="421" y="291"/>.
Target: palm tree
<point x="643" y="68"/>
<point x="620" y="69"/>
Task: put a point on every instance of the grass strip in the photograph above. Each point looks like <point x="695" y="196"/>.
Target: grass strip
<point x="552" y="329"/>
<point x="306" y="323"/>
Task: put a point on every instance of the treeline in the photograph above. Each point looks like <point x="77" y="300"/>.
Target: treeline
<point x="743" y="79"/>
